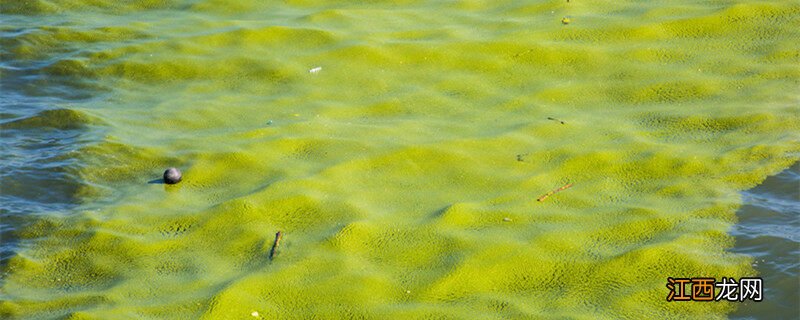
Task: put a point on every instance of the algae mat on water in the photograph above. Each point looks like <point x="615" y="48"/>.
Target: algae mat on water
<point x="404" y="173"/>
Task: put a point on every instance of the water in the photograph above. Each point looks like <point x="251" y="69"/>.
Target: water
<point x="400" y="146"/>
<point x="769" y="230"/>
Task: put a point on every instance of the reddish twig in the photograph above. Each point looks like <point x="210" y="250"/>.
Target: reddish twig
<point x="546" y="195"/>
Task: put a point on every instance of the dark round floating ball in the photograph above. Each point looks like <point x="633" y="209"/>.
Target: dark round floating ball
<point x="172" y="176"/>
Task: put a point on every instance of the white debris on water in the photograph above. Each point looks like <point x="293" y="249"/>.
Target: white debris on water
<point x="315" y="70"/>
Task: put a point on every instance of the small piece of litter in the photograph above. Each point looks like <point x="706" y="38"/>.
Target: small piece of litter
<point x="269" y="123"/>
<point x="315" y="70"/>
<point x="408" y="291"/>
<point x="507" y="219"/>
<point x="566" y="20"/>
<point x="255" y="314"/>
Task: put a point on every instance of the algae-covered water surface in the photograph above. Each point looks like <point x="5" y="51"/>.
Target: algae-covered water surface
<point x="400" y="148"/>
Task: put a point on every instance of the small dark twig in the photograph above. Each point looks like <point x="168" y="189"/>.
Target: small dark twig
<point x="274" y="250"/>
<point x="554" y="119"/>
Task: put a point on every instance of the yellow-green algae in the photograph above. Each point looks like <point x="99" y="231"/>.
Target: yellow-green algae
<point x="392" y="169"/>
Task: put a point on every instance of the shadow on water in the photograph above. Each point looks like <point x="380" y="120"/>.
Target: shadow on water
<point x="156" y="181"/>
<point x="769" y="231"/>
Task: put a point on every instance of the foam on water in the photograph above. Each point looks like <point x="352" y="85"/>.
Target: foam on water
<point x="392" y="170"/>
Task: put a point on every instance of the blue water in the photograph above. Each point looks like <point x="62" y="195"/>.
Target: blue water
<point x="769" y="230"/>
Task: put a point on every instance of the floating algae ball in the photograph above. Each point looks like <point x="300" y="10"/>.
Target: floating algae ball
<point x="172" y="176"/>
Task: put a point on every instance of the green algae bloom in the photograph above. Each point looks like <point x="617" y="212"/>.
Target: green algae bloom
<point x="404" y="172"/>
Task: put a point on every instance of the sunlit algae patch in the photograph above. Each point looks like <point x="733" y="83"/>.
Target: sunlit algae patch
<point x="404" y="172"/>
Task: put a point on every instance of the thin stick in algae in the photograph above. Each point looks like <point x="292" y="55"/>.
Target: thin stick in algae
<point x="274" y="250"/>
<point x="546" y="195"/>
